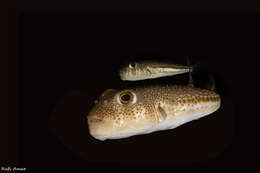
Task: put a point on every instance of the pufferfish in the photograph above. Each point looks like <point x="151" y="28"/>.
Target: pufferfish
<point x="124" y="113"/>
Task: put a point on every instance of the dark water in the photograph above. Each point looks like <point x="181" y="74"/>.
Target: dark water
<point x="67" y="59"/>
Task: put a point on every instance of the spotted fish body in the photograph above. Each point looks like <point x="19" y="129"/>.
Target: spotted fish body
<point x="150" y="70"/>
<point x="150" y="109"/>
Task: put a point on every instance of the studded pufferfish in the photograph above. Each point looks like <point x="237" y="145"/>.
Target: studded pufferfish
<point x="129" y="112"/>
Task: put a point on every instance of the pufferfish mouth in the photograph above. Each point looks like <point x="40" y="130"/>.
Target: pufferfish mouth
<point x="103" y="131"/>
<point x="100" y="136"/>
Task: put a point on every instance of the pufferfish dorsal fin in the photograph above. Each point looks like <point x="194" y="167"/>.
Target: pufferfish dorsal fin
<point x="161" y="113"/>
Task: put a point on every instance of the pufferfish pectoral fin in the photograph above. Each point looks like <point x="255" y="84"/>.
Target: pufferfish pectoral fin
<point x="161" y="113"/>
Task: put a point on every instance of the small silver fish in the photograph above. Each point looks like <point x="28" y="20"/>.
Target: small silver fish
<point x="125" y="113"/>
<point x="151" y="69"/>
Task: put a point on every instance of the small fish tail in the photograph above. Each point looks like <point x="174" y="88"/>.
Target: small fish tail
<point x="195" y="67"/>
<point x="190" y="82"/>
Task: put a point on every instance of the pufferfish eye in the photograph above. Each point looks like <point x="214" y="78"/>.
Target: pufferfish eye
<point x="126" y="97"/>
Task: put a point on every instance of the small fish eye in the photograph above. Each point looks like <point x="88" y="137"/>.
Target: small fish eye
<point x="132" y="65"/>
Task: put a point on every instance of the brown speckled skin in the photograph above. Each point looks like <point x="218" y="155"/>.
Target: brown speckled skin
<point x="108" y="116"/>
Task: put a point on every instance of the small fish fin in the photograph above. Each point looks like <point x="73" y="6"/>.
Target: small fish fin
<point x="212" y="83"/>
<point x="162" y="114"/>
<point x="190" y="83"/>
<point x="195" y="67"/>
<point x="149" y="70"/>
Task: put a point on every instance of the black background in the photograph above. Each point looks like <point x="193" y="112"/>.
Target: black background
<point x="67" y="58"/>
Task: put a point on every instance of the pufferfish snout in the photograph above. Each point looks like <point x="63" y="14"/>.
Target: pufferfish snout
<point x="120" y="113"/>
